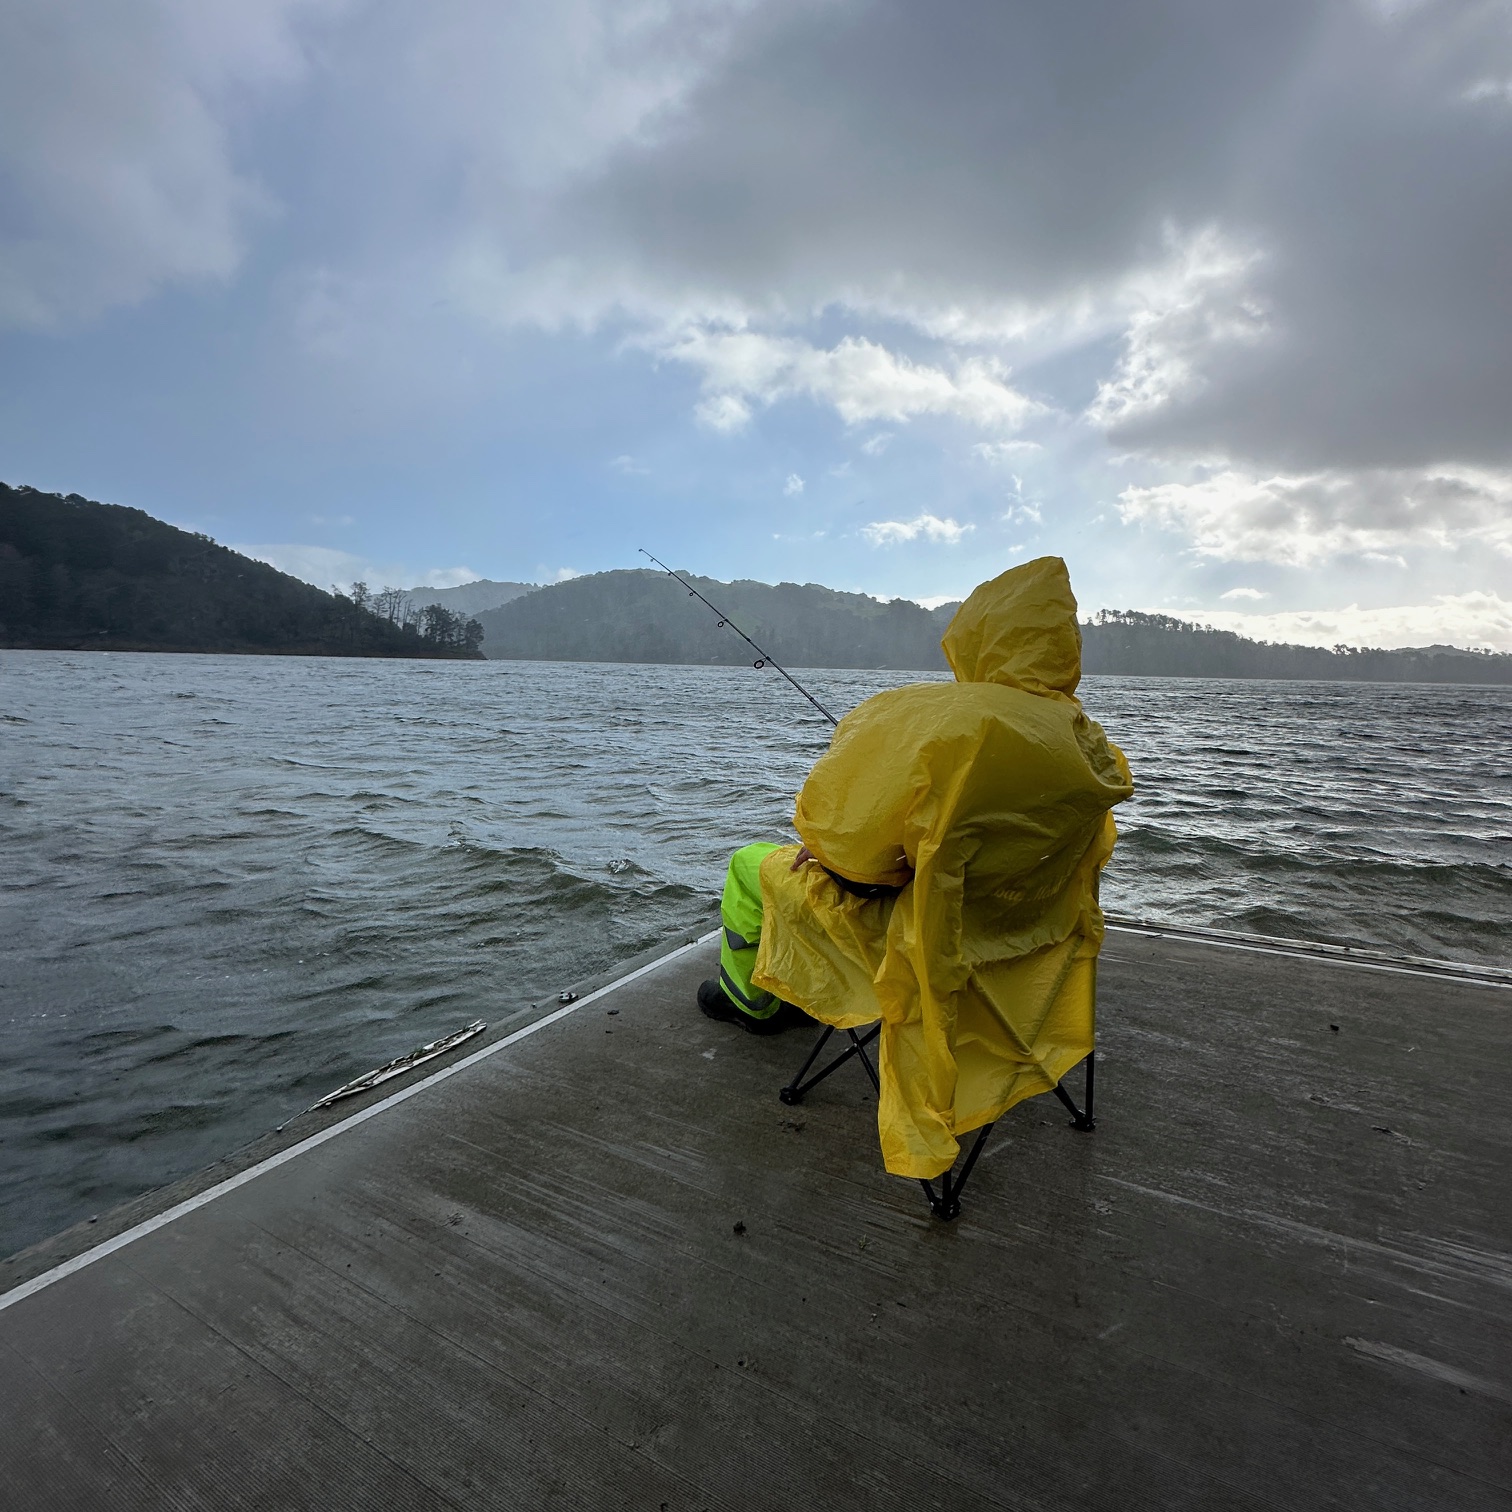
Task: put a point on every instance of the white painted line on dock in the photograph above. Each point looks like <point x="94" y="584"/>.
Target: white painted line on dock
<point x="1453" y="971"/>
<point x="209" y="1195"/>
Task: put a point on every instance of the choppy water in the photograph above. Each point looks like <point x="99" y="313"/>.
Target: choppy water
<point x="231" y="883"/>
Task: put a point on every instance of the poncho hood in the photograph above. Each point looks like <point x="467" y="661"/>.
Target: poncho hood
<point x="1020" y="631"/>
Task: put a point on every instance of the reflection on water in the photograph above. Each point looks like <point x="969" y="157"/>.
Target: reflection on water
<point x="232" y="883"/>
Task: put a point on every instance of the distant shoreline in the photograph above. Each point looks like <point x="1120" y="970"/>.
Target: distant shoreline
<point x="115" y="649"/>
<point x="799" y="667"/>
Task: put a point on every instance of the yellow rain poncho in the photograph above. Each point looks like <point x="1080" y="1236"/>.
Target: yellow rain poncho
<point x="988" y="801"/>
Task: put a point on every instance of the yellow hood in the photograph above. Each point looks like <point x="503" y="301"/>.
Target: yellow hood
<point x="1019" y="631"/>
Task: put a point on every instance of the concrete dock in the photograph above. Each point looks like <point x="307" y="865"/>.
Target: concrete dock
<point x="601" y="1266"/>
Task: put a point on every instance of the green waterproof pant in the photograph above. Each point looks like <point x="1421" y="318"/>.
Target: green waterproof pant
<point x="740" y="913"/>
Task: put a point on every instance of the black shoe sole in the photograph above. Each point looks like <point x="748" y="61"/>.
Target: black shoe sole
<point x="717" y="1005"/>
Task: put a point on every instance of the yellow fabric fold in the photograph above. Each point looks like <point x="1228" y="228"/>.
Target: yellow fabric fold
<point x="988" y="801"/>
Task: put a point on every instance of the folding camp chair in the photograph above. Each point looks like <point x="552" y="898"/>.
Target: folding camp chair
<point x="944" y="1202"/>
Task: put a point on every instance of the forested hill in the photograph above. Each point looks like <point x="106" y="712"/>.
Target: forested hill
<point x="1156" y="645"/>
<point x="470" y="598"/>
<point x="76" y="575"/>
<point x="644" y="616"/>
<point x="640" y="615"/>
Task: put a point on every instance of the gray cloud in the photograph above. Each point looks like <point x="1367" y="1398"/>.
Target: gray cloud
<point x="117" y="172"/>
<point x="973" y="153"/>
<point x="959" y="162"/>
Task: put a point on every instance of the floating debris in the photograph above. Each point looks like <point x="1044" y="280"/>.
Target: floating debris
<point x="402" y="1064"/>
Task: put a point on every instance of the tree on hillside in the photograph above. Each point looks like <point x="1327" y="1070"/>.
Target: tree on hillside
<point x="393" y="604"/>
<point x="443" y="628"/>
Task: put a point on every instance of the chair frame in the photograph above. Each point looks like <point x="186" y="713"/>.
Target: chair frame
<point x="944" y="1202"/>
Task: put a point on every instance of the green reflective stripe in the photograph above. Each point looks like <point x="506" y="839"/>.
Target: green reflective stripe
<point x="735" y="968"/>
<point x="763" y="1005"/>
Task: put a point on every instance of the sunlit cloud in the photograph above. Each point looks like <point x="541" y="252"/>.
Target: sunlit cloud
<point x="1309" y="519"/>
<point x="1000" y="453"/>
<point x="927" y="526"/>
<point x="1465" y="619"/>
<point x="860" y="379"/>
<point x="1183" y="312"/>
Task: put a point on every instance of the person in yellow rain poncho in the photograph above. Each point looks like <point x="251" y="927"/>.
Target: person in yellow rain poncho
<point x="947" y="884"/>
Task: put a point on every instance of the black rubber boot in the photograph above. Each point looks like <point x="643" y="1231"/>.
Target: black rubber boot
<point x="716" y="1004"/>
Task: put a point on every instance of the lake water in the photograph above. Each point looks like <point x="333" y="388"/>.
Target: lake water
<point x="231" y="883"/>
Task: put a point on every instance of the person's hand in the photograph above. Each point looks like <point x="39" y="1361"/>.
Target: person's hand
<point x="804" y="854"/>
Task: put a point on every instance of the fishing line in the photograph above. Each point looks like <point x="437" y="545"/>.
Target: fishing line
<point x="763" y="659"/>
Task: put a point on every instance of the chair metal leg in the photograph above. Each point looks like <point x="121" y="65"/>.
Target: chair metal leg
<point x="860" y="1049"/>
<point x="1083" y="1122"/>
<point x="797" y="1089"/>
<point x="793" y="1092"/>
<point x="946" y="1203"/>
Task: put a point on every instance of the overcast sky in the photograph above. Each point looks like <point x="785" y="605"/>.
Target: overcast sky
<point x="1212" y="298"/>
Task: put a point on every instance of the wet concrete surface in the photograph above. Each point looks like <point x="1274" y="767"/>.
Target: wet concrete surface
<point x="605" y="1267"/>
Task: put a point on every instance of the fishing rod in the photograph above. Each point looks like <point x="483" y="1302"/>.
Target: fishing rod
<point x="763" y="659"/>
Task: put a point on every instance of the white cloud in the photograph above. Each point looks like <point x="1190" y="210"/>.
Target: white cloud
<point x="1023" y="514"/>
<point x="1308" y="519"/>
<point x="444" y="577"/>
<point x="630" y="467"/>
<point x="558" y="574"/>
<point x="325" y="566"/>
<point x="1000" y="453"/>
<point x="794" y="485"/>
<point x="1465" y="619"/>
<point x="891" y="532"/>
<point x="1244" y="593"/>
<point x="874" y="446"/>
<point x="723" y="412"/>
<point x="860" y="379"/>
